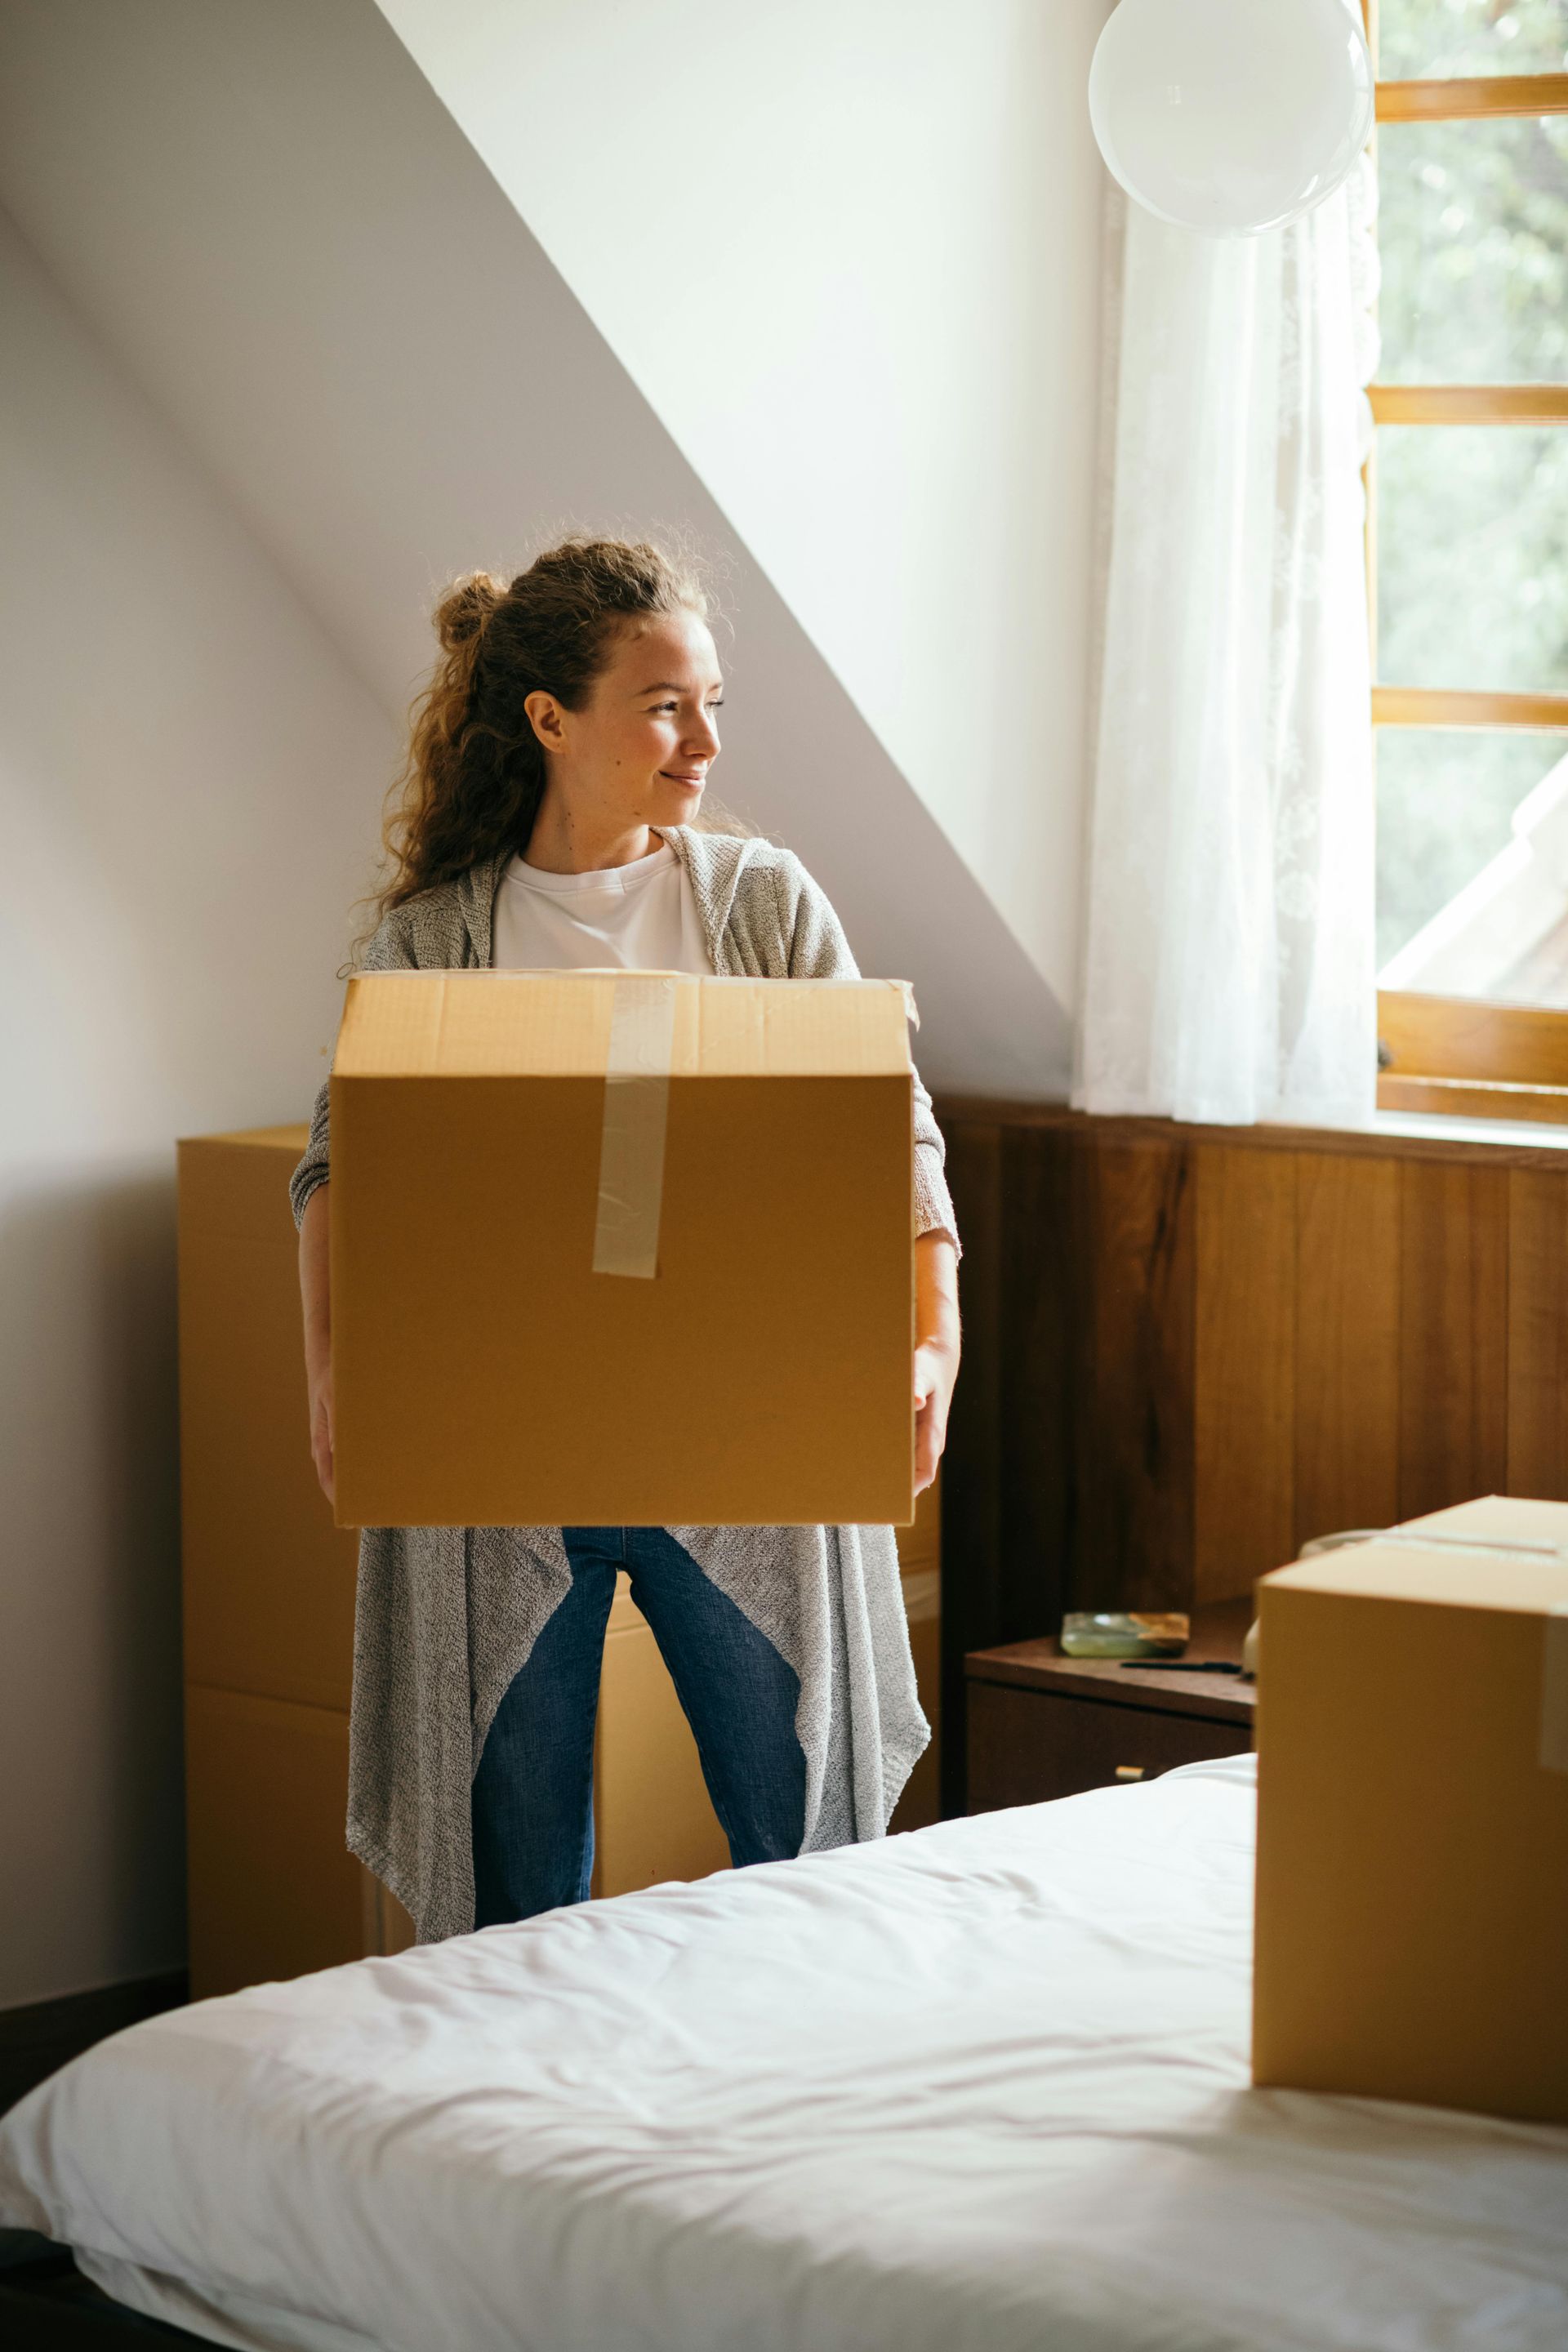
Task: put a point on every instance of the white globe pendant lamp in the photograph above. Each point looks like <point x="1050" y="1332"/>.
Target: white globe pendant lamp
<point x="1232" y="116"/>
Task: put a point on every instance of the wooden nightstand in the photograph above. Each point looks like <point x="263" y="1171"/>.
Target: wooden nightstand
<point x="1043" y="1726"/>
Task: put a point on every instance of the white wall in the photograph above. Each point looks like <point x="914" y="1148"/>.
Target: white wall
<point x="189" y="776"/>
<point x="850" y="250"/>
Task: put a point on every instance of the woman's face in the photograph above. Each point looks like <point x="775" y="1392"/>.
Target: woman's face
<point x="640" y="750"/>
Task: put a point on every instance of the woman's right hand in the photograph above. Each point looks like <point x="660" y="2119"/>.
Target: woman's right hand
<point x="321" y="1431"/>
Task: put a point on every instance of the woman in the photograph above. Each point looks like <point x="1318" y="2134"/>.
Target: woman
<point x="549" y="819"/>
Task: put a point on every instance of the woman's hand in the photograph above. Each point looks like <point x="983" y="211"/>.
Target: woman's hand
<point x="936" y="1349"/>
<point x="321" y="1431"/>
<point x="316" y="1298"/>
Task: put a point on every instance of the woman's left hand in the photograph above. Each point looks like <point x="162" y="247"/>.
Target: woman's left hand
<point x="936" y="1349"/>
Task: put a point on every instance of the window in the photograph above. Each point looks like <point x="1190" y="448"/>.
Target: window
<point x="1468" y="554"/>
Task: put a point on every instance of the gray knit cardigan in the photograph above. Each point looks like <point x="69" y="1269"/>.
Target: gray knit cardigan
<point x="445" y="1617"/>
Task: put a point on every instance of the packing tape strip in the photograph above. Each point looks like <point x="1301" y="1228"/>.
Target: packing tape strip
<point x="1415" y="1541"/>
<point x="1554" y="1690"/>
<point x="636" y="1112"/>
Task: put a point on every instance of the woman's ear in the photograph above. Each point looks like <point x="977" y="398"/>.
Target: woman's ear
<point x="544" y="716"/>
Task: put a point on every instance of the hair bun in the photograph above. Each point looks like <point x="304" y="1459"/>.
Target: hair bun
<point x="461" y="614"/>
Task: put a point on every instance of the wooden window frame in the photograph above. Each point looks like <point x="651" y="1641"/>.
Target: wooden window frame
<point x="1456" y="1054"/>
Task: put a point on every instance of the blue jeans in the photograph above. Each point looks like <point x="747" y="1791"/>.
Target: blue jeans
<point x="534" y="1792"/>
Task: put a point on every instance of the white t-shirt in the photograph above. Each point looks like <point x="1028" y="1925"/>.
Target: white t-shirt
<point x="640" y="918"/>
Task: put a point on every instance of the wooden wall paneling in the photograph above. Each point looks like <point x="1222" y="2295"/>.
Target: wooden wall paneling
<point x="1538" y="1333"/>
<point x="1042" y="1323"/>
<point x="1133" y="1441"/>
<point x="1452" y="1333"/>
<point x="1244" y="1369"/>
<point x="1186" y="1352"/>
<point x="972" y="1474"/>
<point x="1347" y="1343"/>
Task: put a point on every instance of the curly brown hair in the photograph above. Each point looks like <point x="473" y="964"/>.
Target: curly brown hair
<point x="475" y="776"/>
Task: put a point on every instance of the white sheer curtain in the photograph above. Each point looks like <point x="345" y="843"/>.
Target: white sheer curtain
<point x="1230" y="969"/>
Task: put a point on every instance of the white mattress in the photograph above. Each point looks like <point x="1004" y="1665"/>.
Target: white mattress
<point x="978" y="2089"/>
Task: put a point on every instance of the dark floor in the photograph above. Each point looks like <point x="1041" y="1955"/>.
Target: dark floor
<point x="36" y="2041"/>
<point x="46" y="2306"/>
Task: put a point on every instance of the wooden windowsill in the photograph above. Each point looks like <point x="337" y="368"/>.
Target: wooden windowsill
<point x="1494" y="1103"/>
<point x="1402" y="1134"/>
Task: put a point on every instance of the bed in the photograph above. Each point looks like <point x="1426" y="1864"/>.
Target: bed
<point x="981" y="2088"/>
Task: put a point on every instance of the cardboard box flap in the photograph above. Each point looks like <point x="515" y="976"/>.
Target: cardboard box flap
<point x="1501" y="1552"/>
<point x="292" y="1138"/>
<point x="460" y="1025"/>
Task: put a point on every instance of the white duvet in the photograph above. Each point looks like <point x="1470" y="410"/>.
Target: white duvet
<point x="978" y="2089"/>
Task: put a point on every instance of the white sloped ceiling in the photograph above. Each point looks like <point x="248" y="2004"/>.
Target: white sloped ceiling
<point x="850" y="249"/>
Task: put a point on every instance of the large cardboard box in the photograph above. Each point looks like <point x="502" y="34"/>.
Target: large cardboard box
<point x="621" y="1249"/>
<point x="1413" y="1815"/>
<point x="268" y="1586"/>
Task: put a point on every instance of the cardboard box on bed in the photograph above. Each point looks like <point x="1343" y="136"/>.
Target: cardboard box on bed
<point x="486" y="1375"/>
<point x="1413" y="1816"/>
